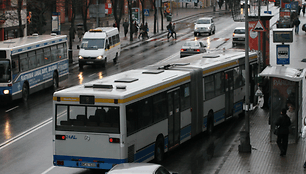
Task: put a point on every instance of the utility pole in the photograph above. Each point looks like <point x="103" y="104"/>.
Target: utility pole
<point x="245" y="145"/>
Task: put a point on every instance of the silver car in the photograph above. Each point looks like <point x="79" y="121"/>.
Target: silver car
<point x="139" y="168"/>
<point x="192" y="47"/>
<point x="204" y="25"/>
<point x="238" y="36"/>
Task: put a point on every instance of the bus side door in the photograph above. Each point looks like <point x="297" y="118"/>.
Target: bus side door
<point x="173" y="117"/>
<point x="229" y="93"/>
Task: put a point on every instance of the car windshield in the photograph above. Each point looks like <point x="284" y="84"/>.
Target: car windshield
<point x="5" y="72"/>
<point x="239" y="31"/>
<point x="92" y="44"/>
<point x="191" y="44"/>
<point x="203" y="21"/>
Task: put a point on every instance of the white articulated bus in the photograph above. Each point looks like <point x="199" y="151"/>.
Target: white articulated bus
<point x="99" y="46"/>
<point x="138" y="115"/>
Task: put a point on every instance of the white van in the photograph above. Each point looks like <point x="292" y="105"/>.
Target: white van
<point x="99" y="46"/>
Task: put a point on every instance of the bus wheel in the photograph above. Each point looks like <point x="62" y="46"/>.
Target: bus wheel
<point x="210" y="123"/>
<point x="159" y="151"/>
<point x="25" y="92"/>
<point x="55" y="81"/>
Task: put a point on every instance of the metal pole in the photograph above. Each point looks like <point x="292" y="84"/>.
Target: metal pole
<point x="245" y="135"/>
<point x="259" y="33"/>
<point x="97" y="20"/>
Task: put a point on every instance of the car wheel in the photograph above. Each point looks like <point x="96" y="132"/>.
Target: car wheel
<point x="210" y="123"/>
<point x="115" y="59"/>
<point x="233" y="44"/>
<point x="80" y="66"/>
<point x="104" y="64"/>
<point x="195" y="34"/>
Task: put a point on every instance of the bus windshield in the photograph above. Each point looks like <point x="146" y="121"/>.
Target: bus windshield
<point x="5" y="72"/>
<point x="92" y="44"/>
<point x="100" y="119"/>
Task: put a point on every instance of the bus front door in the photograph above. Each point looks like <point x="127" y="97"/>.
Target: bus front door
<point x="229" y="94"/>
<point x="174" y="118"/>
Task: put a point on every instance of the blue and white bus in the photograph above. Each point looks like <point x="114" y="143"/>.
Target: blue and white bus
<point x="138" y="115"/>
<point x="30" y="64"/>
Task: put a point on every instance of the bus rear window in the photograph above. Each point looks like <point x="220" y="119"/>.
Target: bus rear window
<point x="100" y="119"/>
<point x="2" y="54"/>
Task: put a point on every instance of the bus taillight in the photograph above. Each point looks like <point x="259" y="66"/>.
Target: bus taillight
<point x="60" y="137"/>
<point x="114" y="140"/>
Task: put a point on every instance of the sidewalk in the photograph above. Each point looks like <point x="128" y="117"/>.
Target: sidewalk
<point x="265" y="155"/>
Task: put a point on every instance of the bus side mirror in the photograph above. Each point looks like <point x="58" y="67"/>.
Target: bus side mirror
<point x="78" y="47"/>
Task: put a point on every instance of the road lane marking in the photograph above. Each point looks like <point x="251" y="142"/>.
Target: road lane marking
<point x="25" y="133"/>
<point x="48" y="170"/>
<point x="11" y="109"/>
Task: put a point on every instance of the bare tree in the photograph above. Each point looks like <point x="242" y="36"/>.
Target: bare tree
<point x="142" y="13"/>
<point x="39" y="8"/>
<point x="155" y="13"/>
<point x="84" y="6"/>
<point x="117" y="11"/>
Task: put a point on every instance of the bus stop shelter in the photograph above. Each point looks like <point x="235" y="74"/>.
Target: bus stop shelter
<point x="286" y="91"/>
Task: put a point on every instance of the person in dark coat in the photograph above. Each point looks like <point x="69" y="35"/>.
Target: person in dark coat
<point x="125" y="27"/>
<point x="283" y="123"/>
<point x="296" y="23"/>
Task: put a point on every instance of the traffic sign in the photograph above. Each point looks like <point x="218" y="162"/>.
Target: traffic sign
<point x="287" y="5"/>
<point x="282" y="54"/>
<point x="259" y="27"/>
<point x="146" y="12"/>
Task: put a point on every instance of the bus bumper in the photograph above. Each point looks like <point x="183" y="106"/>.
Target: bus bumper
<point x="83" y="162"/>
<point x="5" y="99"/>
<point x="92" y="61"/>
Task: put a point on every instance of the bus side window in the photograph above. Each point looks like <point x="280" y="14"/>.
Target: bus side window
<point x="54" y="53"/>
<point x="39" y="57"/>
<point x="107" y="44"/>
<point x="61" y="53"/>
<point x="110" y="41"/>
<point x="24" y="64"/>
<point x="32" y="60"/>
<point x="47" y="56"/>
<point x="15" y="64"/>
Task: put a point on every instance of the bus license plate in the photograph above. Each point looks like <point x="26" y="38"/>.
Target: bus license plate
<point x="88" y="164"/>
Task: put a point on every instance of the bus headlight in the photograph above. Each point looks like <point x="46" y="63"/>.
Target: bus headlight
<point x="99" y="57"/>
<point x="80" y="57"/>
<point x="6" y="91"/>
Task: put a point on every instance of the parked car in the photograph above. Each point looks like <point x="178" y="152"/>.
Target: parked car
<point x="139" y="168"/>
<point x="192" y="47"/>
<point x="238" y="36"/>
<point x="204" y="25"/>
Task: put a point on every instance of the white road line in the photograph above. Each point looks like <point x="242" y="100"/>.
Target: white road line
<point x="11" y="109"/>
<point x="25" y="133"/>
<point x="92" y="74"/>
<point x="48" y="170"/>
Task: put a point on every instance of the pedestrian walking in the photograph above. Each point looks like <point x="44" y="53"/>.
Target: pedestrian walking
<point x="296" y="23"/>
<point x="125" y="27"/>
<point x="135" y="28"/>
<point x="283" y="123"/>
<point x="170" y="31"/>
<point x="173" y="31"/>
<point x="303" y="10"/>
<point x="80" y="33"/>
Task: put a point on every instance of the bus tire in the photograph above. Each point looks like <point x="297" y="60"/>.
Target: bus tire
<point x="210" y="123"/>
<point x="25" y="92"/>
<point x="55" y="81"/>
<point x="159" y="151"/>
